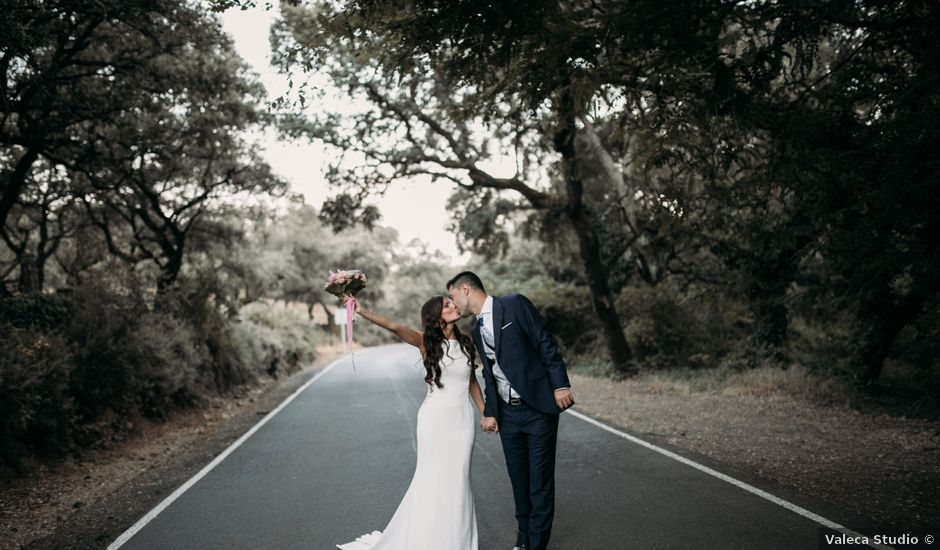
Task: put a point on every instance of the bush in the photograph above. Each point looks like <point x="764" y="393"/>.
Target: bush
<point x="75" y="367"/>
<point x="36" y="410"/>
<point x="167" y="365"/>
<point x="569" y="315"/>
<point x="36" y="310"/>
<point x="105" y="355"/>
<point x="667" y="328"/>
<point x="199" y="300"/>
<point x="273" y="339"/>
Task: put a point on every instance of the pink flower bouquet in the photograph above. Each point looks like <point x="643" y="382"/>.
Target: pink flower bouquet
<point x="347" y="284"/>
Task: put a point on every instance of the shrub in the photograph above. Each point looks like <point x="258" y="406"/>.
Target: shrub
<point x="105" y="354"/>
<point x="36" y="411"/>
<point x="196" y="299"/>
<point x="165" y="365"/>
<point x="569" y="315"/>
<point x="669" y="328"/>
<point x="75" y="367"/>
<point x="36" y="310"/>
<point x="273" y="339"/>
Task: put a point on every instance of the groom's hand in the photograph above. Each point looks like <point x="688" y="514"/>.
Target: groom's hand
<point x="563" y="398"/>
<point x="488" y="423"/>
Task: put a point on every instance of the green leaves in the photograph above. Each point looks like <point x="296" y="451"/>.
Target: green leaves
<point x="760" y="145"/>
<point x="134" y="112"/>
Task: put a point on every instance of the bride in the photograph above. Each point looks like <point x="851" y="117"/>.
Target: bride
<point x="437" y="510"/>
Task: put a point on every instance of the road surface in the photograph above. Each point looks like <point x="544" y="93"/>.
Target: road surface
<point x="334" y="462"/>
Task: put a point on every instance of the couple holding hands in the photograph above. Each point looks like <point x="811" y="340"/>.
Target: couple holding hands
<point x="526" y="389"/>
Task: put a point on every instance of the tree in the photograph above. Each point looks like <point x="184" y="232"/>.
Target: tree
<point x="417" y="126"/>
<point x="44" y="216"/>
<point x="138" y="107"/>
<point x="162" y="187"/>
<point x="796" y="138"/>
<point x="71" y="68"/>
<point x="307" y="250"/>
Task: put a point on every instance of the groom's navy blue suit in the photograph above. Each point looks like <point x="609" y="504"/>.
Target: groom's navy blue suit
<point x="528" y="357"/>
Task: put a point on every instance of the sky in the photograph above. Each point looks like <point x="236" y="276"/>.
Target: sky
<point x="416" y="211"/>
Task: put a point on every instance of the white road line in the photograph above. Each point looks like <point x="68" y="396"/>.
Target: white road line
<point x="724" y="477"/>
<point x="142" y="522"/>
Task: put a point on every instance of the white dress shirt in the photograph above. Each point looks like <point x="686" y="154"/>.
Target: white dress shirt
<point x="488" y="335"/>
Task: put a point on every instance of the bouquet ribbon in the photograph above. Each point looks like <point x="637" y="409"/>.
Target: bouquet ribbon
<point x="345" y="285"/>
<point x="350" y="311"/>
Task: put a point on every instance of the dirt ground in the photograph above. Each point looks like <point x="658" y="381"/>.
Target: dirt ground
<point x="881" y="467"/>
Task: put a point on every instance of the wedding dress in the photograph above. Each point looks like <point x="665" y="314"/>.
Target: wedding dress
<point x="437" y="510"/>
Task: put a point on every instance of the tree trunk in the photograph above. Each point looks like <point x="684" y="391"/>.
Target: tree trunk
<point x="29" y="280"/>
<point x="14" y="186"/>
<point x="165" y="282"/>
<point x="773" y="320"/>
<point x="601" y="296"/>
<point x="768" y="274"/>
<point x="886" y="322"/>
<point x="171" y="270"/>
<point x="767" y="291"/>
<point x="40" y="275"/>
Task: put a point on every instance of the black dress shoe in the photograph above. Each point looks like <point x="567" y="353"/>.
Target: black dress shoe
<point x="519" y="547"/>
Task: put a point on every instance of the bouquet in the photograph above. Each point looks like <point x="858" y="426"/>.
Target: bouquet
<point x="347" y="284"/>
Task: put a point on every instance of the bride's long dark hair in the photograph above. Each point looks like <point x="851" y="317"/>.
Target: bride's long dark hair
<point x="434" y="340"/>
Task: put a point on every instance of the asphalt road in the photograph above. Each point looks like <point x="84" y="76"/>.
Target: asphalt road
<point x="335" y="461"/>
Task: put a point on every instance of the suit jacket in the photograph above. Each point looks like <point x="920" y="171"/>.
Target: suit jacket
<point x="525" y="353"/>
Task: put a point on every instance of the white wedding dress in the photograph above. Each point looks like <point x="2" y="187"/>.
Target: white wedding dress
<point x="437" y="510"/>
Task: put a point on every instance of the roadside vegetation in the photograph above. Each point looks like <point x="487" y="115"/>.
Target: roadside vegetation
<point x="731" y="197"/>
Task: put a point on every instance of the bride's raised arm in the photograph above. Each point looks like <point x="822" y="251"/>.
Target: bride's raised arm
<point x="407" y="335"/>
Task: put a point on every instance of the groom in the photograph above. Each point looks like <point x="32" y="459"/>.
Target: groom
<point x="526" y="389"/>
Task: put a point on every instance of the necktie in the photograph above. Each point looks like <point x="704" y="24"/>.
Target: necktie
<point x="484" y="334"/>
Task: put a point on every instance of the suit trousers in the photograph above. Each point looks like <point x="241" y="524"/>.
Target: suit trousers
<point x="529" y="438"/>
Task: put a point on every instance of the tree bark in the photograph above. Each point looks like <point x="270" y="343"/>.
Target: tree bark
<point x="29" y="280"/>
<point x="14" y="186"/>
<point x="767" y="285"/>
<point x="601" y="296"/>
<point x="884" y="326"/>
<point x="170" y="272"/>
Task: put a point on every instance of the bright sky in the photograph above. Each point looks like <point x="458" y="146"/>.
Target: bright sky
<point x="416" y="211"/>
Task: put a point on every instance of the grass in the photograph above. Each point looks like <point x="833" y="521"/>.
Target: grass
<point x="899" y="392"/>
<point x="591" y="366"/>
